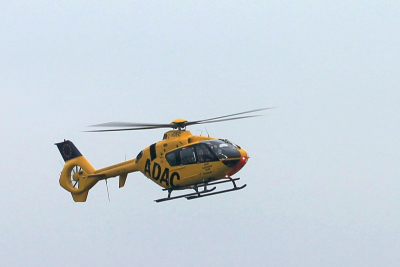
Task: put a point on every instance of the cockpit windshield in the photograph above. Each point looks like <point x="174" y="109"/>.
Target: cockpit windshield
<point x="223" y="150"/>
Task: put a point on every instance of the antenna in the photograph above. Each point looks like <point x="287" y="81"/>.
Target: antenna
<point x="207" y="132"/>
<point x="108" y="193"/>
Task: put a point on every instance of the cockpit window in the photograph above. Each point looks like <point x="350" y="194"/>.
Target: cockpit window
<point x="222" y="149"/>
<point x="204" y="154"/>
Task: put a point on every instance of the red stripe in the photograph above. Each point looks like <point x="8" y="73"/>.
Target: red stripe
<point x="240" y="165"/>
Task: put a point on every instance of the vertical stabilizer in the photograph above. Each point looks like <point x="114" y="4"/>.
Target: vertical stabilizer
<point x="68" y="150"/>
<point x="74" y="176"/>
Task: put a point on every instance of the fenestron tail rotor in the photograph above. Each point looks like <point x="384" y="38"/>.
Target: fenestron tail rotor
<point x="176" y="124"/>
<point x="74" y="176"/>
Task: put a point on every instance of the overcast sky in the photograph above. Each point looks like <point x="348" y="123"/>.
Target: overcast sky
<point x="323" y="178"/>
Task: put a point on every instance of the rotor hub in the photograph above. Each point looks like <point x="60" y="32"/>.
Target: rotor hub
<point x="179" y="123"/>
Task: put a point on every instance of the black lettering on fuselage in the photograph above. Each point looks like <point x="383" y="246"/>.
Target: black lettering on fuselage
<point x="147" y="168"/>
<point x="156" y="173"/>
<point x="173" y="135"/>
<point x="174" y="175"/>
<point x="165" y="177"/>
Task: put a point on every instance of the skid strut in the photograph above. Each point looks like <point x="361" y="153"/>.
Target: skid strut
<point x="205" y="192"/>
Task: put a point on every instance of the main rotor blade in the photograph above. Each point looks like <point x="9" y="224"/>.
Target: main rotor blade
<point x="230" y="115"/>
<point x="127" y="129"/>
<point x="130" y="124"/>
<point x="228" y="119"/>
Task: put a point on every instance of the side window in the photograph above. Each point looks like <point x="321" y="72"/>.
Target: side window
<point x="204" y="154"/>
<point x="174" y="158"/>
<point x="187" y="155"/>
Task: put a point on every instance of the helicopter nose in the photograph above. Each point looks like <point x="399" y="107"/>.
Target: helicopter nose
<point x="243" y="160"/>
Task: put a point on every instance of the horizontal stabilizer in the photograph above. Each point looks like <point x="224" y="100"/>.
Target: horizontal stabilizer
<point x="98" y="176"/>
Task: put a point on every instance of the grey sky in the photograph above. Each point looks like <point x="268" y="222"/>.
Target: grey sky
<point x="323" y="177"/>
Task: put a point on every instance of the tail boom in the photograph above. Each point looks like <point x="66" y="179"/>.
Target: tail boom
<point x="78" y="175"/>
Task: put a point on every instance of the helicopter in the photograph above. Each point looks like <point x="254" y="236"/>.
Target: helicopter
<point x="180" y="161"/>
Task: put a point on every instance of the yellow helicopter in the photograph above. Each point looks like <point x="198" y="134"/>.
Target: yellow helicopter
<point x="180" y="161"/>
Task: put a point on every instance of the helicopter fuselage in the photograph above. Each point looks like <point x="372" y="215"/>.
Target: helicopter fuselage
<point x="182" y="159"/>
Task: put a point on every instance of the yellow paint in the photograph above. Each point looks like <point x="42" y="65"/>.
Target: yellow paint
<point x="157" y="169"/>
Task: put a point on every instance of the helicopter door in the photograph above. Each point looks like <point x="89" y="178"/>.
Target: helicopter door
<point x="204" y="154"/>
<point x="188" y="155"/>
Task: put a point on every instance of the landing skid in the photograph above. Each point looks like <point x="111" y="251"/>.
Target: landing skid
<point x="205" y="192"/>
<point x="216" y="193"/>
<point x="185" y="195"/>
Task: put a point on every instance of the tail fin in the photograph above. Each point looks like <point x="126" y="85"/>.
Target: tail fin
<point x="68" y="150"/>
<point x="74" y="176"/>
